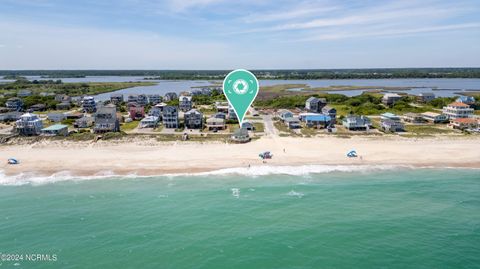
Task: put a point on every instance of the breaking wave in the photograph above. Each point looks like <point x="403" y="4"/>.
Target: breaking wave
<point x="254" y="171"/>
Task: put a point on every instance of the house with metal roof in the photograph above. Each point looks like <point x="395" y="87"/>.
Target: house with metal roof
<point x="318" y="121"/>
<point x="54" y="130"/>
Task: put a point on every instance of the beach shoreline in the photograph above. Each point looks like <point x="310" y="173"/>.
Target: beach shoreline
<point x="148" y="157"/>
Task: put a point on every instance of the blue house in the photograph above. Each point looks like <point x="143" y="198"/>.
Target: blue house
<point x="318" y="121"/>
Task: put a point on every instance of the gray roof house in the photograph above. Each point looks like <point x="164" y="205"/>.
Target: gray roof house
<point x="84" y="122"/>
<point x="29" y="124"/>
<point x="106" y="120"/>
<point x="353" y="122"/>
<point x="170" y="117"/>
<point x="193" y="119"/>
<point x="292" y="123"/>
<point x="390" y="99"/>
<point x="284" y="114"/>
<point x="330" y="111"/>
<point x="214" y="123"/>
<point x="392" y="126"/>
<point x="315" y="104"/>
<point x="185" y="102"/>
<point x="14" y="104"/>
<point x="116" y="98"/>
<point x="170" y="96"/>
<point x="240" y="136"/>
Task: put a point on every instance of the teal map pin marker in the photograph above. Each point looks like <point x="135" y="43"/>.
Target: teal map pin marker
<point x="241" y="88"/>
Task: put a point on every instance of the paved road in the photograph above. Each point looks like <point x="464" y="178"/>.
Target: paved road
<point x="270" y="129"/>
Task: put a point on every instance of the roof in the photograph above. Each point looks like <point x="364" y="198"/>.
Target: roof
<point x="55" y="127"/>
<point x="241" y="132"/>
<point x="319" y="117"/>
<point x="431" y="114"/>
<point x="426" y="94"/>
<point x="390" y="94"/>
<point x="193" y="111"/>
<point x="291" y="119"/>
<point x="389" y="115"/>
<point x="465" y="120"/>
<point x="464" y="98"/>
<point x="458" y="104"/>
<point x="215" y="120"/>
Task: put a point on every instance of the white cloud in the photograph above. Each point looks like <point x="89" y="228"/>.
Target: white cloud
<point x="391" y="32"/>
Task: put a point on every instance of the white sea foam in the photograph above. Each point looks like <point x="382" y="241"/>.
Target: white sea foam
<point x="295" y="194"/>
<point x="253" y="171"/>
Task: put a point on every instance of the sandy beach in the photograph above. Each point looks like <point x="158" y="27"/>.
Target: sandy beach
<point x="149" y="157"/>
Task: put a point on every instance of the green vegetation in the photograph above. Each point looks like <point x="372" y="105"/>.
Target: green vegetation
<point x="259" y="127"/>
<point x="264" y="74"/>
<point x="427" y="129"/>
<point x="72" y="89"/>
<point x="128" y="126"/>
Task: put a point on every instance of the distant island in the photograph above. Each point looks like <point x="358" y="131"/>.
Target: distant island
<point x="287" y="74"/>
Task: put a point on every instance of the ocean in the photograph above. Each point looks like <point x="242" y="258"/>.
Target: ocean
<point x="306" y="217"/>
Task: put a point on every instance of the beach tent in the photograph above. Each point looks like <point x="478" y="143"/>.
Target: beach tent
<point x="12" y="161"/>
<point x="352" y="154"/>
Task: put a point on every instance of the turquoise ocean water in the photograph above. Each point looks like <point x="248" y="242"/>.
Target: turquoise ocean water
<point x="399" y="218"/>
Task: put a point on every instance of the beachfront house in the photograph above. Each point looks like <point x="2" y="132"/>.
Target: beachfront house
<point x="354" y="122"/>
<point x="116" y="98"/>
<point x="222" y="107"/>
<point x="157" y="110"/>
<point x="292" y="123"/>
<point x="389" y="116"/>
<point x="185" y="102"/>
<point x="389" y="99"/>
<point x="457" y="110"/>
<point x="106" y="120"/>
<point x="149" y="122"/>
<point x="10" y="116"/>
<point x="240" y="136"/>
<point x="170" y="117"/>
<point x="284" y="114"/>
<point x="55" y="130"/>
<point x="425" y="97"/>
<point x="433" y="117"/>
<point x="468" y="100"/>
<point x="464" y="123"/>
<point x="215" y="124"/>
<point x="193" y="119"/>
<point x="88" y="104"/>
<point x="392" y="126"/>
<point x="37" y="107"/>
<point x="14" y="104"/>
<point x="29" y="124"/>
<point x="318" y="121"/>
<point x="56" y="117"/>
<point x="136" y="111"/>
<point x="155" y="99"/>
<point x="413" y="118"/>
<point x="170" y="96"/>
<point x="330" y="111"/>
<point x="83" y="122"/>
<point x="315" y="104"/>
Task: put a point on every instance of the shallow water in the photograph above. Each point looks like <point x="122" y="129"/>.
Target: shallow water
<point x="330" y="218"/>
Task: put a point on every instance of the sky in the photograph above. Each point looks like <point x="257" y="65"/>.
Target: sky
<point x="226" y="34"/>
